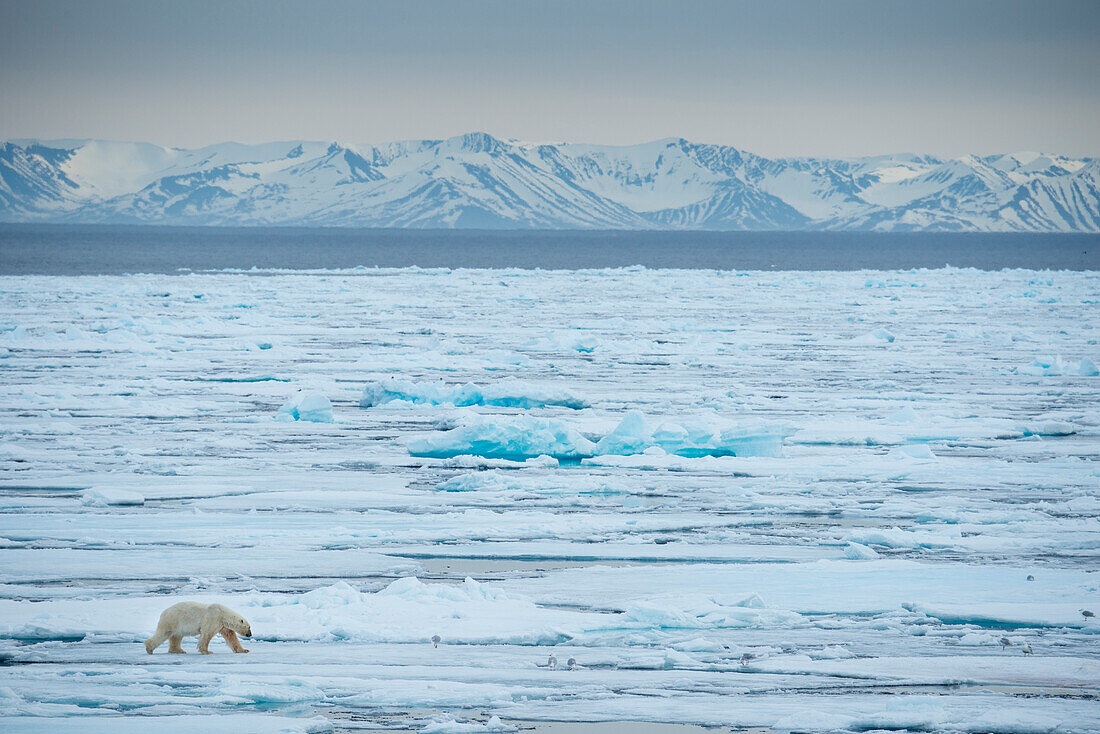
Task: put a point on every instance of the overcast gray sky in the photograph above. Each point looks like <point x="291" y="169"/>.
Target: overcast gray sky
<point x="776" y="78"/>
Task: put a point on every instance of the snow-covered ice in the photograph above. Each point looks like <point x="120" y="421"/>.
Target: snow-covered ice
<point x="734" y="499"/>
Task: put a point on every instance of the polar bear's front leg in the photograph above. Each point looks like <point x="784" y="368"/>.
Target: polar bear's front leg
<point x="232" y="640"/>
<point x="204" y="642"/>
<point x="175" y="644"/>
<point x="155" y="641"/>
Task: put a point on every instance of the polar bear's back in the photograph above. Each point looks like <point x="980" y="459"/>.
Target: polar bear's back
<point x="184" y="618"/>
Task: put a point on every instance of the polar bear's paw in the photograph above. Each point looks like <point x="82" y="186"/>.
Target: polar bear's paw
<point x="232" y="640"/>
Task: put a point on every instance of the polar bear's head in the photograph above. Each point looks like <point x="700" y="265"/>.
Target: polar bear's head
<point x="230" y="620"/>
<point x="240" y="626"/>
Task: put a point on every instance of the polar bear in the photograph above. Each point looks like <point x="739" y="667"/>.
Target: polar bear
<point x="205" y="620"/>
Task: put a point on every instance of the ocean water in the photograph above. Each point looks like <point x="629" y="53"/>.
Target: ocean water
<point x="85" y="249"/>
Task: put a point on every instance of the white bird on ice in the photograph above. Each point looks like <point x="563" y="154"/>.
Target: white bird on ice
<point x="435" y="640"/>
<point x="552" y="662"/>
<point x="571" y="663"/>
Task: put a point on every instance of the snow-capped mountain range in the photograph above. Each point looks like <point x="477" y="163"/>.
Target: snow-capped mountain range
<point x="478" y="181"/>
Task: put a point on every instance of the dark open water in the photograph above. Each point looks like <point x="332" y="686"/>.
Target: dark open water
<point x="106" y="249"/>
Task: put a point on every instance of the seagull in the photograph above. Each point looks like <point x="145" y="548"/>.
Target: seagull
<point x="552" y="662"/>
<point x="1030" y="577"/>
<point x="747" y="658"/>
<point x="571" y="663"/>
<point x="1027" y="648"/>
<point x="1005" y="642"/>
<point x="1086" y="613"/>
<point x="435" y="640"/>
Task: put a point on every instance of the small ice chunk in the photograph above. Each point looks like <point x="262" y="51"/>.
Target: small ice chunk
<point x="752" y="601"/>
<point x="339" y="594"/>
<point x="542" y="461"/>
<point x="912" y="451"/>
<point x="878" y="336"/>
<point x="632" y="436"/>
<point x="451" y="726"/>
<point x="833" y="652"/>
<point x="860" y="552"/>
<point x="108" y="497"/>
<point x="306" y="406"/>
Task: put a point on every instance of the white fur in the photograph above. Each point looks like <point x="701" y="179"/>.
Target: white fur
<point x="189" y="618"/>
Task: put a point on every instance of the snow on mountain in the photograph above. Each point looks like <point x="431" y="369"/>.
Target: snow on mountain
<point x="478" y="181"/>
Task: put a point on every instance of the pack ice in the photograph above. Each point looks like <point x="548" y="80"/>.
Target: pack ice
<point x="802" y="501"/>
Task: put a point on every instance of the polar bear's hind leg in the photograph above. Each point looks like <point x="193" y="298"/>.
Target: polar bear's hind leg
<point x="204" y="642"/>
<point x="232" y="640"/>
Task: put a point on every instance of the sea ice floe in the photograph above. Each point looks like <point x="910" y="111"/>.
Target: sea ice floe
<point x="704" y="613"/>
<point x="451" y="726"/>
<point x="92" y="721"/>
<point x="410" y="611"/>
<point x="506" y="393"/>
<point x="105" y="496"/>
<point x="162" y="562"/>
<point x="506" y="437"/>
<point x="512" y="437"/>
<point x="567" y="341"/>
<point x="840" y="586"/>
<point x="641" y="567"/>
<point x="917" y="451"/>
<point x="471" y="461"/>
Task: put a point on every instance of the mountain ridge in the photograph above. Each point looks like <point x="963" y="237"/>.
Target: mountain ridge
<point x="479" y="181"/>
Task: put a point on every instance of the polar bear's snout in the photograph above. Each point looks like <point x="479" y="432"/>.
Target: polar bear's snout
<point x="247" y="631"/>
